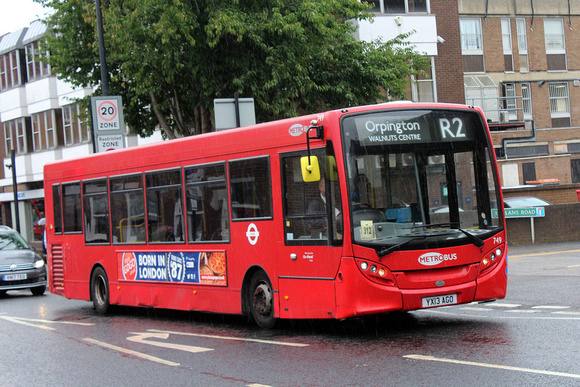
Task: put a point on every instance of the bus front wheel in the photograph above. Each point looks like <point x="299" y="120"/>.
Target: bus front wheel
<point x="100" y="290"/>
<point x="261" y="300"/>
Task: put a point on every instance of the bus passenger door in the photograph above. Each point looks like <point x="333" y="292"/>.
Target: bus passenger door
<point x="309" y="254"/>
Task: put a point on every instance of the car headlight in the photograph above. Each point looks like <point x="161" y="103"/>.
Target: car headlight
<point x="39" y="263"/>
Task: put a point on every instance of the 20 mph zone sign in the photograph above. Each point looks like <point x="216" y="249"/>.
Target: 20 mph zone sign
<point x="108" y="123"/>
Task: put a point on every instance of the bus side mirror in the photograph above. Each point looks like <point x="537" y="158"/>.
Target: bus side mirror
<point x="310" y="168"/>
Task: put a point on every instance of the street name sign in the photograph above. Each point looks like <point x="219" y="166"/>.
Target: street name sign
<point x="528" y="212"/>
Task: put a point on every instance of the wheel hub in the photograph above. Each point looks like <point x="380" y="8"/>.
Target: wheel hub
<point x="263" y="299"/>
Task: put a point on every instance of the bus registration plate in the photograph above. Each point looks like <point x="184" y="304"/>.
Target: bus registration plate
<point x="448" y="299"/>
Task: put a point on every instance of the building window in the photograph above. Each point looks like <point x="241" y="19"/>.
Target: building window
<point x="559" y="104"/>
<point x="16" y="136"/>
<point x="527" y="101"/>
<point x="44" y="133"/>
<point x="575" y="167"/>
<point x="471" y="45"/>
<point x="527" y="150"/>
<point x="74" y="125"/>
<point x="10" y="71"/>
<point x="528" y="172"/>
<point x="523" y="45"/>
<point x="423" y="87"/>
<point x="399" y="6"/>
<point x="508" y="102"/>
<point x="506" y="37"/>
<point x="35" y="67"/>
<point x="555" y="44"/>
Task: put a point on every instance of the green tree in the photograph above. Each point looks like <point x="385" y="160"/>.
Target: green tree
<point x="169" y="59"/>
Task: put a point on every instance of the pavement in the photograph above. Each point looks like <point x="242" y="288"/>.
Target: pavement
<point x="543" y="247"/>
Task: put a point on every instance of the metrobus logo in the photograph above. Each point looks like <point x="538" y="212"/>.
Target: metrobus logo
<point x="435" y="258"/>
<point x="297" y="129"/>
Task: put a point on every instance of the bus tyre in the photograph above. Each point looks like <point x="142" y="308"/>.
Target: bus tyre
<point x="261" y="300"/>
<point x="100" y="290"/>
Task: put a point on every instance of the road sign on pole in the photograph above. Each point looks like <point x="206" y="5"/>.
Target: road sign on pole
<point x="108" y="123"/>
<point x="528" y="212"/>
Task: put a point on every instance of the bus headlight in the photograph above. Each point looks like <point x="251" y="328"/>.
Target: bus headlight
<point x="376" y="272"/>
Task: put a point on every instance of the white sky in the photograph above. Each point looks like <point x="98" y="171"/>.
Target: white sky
<point x="16" y="14"/>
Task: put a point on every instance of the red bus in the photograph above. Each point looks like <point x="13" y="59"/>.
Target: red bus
<point x="351" y="212"/>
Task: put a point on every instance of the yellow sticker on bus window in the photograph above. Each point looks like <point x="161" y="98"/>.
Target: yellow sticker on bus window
<point x="367" y="230"/>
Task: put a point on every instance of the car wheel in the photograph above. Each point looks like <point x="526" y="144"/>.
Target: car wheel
<point x="38" y="291"/>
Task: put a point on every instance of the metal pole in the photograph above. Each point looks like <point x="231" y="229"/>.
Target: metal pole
<point x="15" y="189"/>
<point x="237" y="105"/>
<point x="102" y="54"/>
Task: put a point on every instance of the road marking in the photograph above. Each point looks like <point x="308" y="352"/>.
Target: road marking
<point x="550" y="307"/>
<point x="18" y="321"/>
<point x="523" y="311"/>
<point x="22" y="320"/>
<point x="476" y="308"/>
<point x="567" y="313"/>
<point x="537" y="254"/>
<point x="497" y="366"/>
<point x="232" y="338"/>
<point x="131" y="352"/>
<point x="502" y="305"/>
<point x="58" y="322"/>
<point x="573" y="266"/>
<point x="501" y="317"/>
<point x="141" y="337"/>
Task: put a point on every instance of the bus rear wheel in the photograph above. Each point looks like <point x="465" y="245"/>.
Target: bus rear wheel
<point x="100" y="290"/>
<point x="261" y="300"/>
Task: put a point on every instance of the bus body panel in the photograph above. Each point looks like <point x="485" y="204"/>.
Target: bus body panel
<point x="358" y="296"/>
<point x="302" y="298"/>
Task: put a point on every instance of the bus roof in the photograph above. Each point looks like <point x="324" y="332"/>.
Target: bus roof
<point x="238" y="142"/>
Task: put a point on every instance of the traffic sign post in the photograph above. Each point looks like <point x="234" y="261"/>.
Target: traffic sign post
<point x="108" y="123"/>
<point x="528" y="212"/>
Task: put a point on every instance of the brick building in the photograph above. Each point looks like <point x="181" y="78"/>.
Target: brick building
<point x="521" y="64"/>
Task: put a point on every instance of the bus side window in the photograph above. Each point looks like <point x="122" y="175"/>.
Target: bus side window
<point x="251" y="188"/>
<point x="96" y="211"/>
<point x="71" y="199"/>
<point x="57" y="208"/>
<point x="164" y="207"/>
<point x="305" y="208"/>
<point x="127" y="209"/>
<point x="206" y="198"/>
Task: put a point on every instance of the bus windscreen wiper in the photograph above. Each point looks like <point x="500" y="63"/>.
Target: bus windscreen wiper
<point x="478" y="242"/>
<point x="388" y="250"/>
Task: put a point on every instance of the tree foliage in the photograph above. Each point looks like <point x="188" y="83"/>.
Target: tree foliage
<point x="169" y="59"/>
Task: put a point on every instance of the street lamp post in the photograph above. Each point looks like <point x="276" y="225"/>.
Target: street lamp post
<point x="12" y="166"/>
